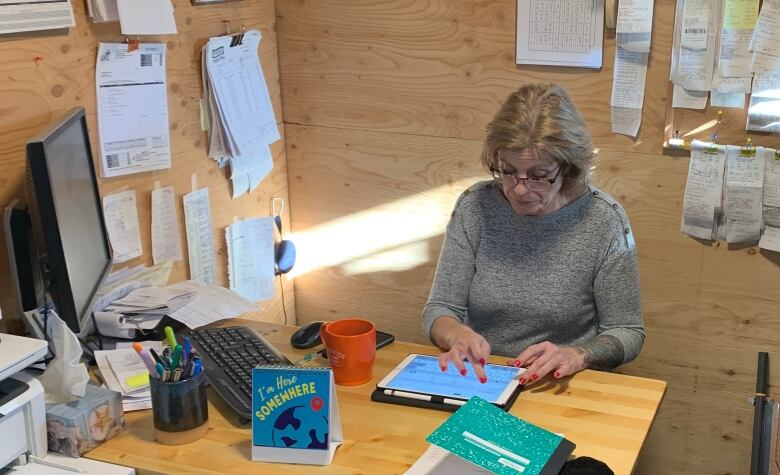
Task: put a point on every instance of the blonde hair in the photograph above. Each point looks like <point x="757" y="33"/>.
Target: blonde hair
<point x="542" y="117"/>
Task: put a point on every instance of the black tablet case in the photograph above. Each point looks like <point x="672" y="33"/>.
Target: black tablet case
<point x="436" y="401"/>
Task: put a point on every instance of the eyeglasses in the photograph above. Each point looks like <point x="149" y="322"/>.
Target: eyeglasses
<point x="533" y="184"/>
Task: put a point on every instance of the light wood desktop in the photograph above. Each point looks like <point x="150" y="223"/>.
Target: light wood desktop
<point x="607" y="415"/>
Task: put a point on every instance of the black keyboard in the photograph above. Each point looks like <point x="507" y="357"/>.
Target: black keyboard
<point x="228" y="356"/>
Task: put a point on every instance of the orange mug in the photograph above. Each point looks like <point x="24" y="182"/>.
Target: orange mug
<point x="351" y="345"/>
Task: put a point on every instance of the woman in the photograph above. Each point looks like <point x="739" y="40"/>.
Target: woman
<point x="536" y="264"/>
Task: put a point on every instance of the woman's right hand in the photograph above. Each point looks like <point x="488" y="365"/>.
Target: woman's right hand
<point x="465" y="343"/>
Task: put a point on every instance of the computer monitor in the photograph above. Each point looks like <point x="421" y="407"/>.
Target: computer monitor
<point x="67" y="216"/>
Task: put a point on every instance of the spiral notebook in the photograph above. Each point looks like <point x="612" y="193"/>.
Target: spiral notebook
<point x="295" y="415"/>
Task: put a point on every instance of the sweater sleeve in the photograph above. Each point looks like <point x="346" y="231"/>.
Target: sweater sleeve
<point x="452" y="281"/>
<point x="616" y="291"/>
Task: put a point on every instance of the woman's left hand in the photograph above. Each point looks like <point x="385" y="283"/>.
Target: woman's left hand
<point x="545" y="357"/>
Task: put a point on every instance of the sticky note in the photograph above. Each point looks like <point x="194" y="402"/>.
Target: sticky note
<point x="138" y="381"/>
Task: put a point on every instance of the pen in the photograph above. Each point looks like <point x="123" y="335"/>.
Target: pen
<point x="171" y="337"/>
<point x="424" y="397"/>
<point x="155" y="356"/>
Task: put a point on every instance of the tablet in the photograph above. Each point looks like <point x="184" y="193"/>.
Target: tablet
<point x="421" y="375"/>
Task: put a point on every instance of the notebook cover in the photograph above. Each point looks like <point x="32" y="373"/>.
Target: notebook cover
<point x="502" y="443"/>
<point x="290" y="407"/>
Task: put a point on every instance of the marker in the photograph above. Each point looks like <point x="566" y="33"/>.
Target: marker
<point x="160" y="369"/>
<point x="425" y="397"/>
<point x="176" y="358"/>
<point x="187" y="349"/>
<point x="197" y="367"/>
<point x="148" y="361"/>
<point x="171" y="337"/>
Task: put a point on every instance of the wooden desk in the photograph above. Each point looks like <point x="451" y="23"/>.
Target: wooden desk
<point x="607" y="415"/>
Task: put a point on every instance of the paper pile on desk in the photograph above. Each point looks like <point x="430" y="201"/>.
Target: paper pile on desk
<point x="117" y="366"/>
<point x="236" y="109"/>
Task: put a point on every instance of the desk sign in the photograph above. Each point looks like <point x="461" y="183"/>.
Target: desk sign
<point x="500" y="442"/>
<point x="295" y="415"/>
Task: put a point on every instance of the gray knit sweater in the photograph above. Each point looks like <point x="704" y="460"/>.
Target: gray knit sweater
<point x="564" y="277"/>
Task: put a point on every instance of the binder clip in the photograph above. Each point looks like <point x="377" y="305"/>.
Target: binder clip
<point x="748" y="150"/>
<point x="132" y="43"/>
<point x="712" y="146"/>
<point x="676" y="141"/>
<point x="239" y="38"/>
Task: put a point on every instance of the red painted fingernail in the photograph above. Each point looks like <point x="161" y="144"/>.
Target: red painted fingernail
<point x="463" y="372"/>
<point x="443" y="368"/>
<point x="534" y="377"/>
<point x="522" y="380"/>
<point x="482" y="361"/>
<point x="557" y="374"/>
<point x="517" y="363"/>
<point x="482" y="379"/>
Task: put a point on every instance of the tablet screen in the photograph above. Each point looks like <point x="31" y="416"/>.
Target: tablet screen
<point x="423" y="375"/>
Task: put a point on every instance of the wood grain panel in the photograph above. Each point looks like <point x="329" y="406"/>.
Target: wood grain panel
<point x="35" y="92"/>
<point x="438" y="68"/>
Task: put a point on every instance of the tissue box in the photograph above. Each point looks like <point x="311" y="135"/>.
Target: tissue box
<point x="76" y="427"/>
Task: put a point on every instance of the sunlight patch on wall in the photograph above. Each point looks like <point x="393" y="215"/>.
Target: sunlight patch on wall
<point x="399" y="259"/>
<point x="382" y="229"/>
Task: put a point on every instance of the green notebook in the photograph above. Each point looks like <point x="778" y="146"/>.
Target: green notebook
<point x="500" y="442"/>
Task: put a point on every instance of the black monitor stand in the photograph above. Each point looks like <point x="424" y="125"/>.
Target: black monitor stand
<point x="23" y="260"/>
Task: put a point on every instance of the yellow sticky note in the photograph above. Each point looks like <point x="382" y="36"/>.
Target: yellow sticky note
<point x="740" y="14"/>
<point x="138" y="381"/>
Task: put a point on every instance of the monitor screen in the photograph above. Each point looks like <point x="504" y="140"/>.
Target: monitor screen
<point x="77" y="249"/>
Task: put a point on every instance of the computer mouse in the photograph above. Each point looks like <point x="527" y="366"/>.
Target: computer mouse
<point x="307" y="336"/>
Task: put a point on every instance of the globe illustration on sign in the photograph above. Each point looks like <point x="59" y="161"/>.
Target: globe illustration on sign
<point x="301" y="427"/>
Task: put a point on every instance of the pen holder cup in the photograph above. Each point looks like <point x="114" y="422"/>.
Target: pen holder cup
<point x="180" y="410"/>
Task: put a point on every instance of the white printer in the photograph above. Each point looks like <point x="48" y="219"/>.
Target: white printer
<point x="23" y="445"/>
<point x="22" y="407"/>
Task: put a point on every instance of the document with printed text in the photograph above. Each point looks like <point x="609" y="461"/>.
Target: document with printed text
<point x="132" y="109"/>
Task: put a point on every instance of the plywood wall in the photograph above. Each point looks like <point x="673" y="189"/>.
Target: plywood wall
<point x="385" y="104"/>
<point x="34" y="92"/>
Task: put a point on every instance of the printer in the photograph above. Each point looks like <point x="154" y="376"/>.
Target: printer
<point x="23" y="412"/>
<point x="22" y="406"/>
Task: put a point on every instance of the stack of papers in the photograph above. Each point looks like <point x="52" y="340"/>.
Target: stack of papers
<point x="101" y="11"/>
<point x="35" y="15"/>
<point x="121" y="369"/>
<point x="152" y="301"/>
<point x="236" y="109"/>
<point x="210" y="304"/>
